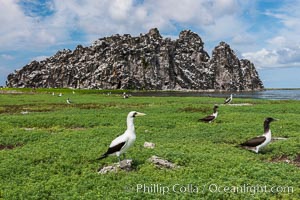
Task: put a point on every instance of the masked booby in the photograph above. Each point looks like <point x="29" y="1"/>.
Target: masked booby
<point x="125" y="96"/>
<point x="69" y="101"/>
<point x="228" y="99"/>
<point x="211" y="117"/>
<point x="256" y="143"/>
<point x="124" y="141"/>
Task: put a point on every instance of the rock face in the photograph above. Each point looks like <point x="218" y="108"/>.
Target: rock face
<point x="145" y="62"/>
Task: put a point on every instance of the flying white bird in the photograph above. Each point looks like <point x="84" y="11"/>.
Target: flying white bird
<point x="124" y="141"/>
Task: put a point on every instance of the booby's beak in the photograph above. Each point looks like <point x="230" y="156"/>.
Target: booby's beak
<point x="273" y="119"/>
<point x="139" y="114"/>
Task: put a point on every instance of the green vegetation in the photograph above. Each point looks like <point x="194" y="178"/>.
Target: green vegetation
<point x="51" y="151"/>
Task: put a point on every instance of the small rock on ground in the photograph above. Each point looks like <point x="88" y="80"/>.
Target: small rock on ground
<point x="149" y="145"/>
<point x="123" y="165"/>
<point x="162" y="163"/>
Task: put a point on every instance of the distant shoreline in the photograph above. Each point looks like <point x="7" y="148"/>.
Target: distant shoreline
<point x="282" y="88"/>
<point x="3" y="88"/>
<point x="270" y="94"/>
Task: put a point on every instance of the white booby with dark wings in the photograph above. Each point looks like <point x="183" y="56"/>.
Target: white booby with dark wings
<point x="211" y="117"/>
<point x="125" y="95"/>
<point x="228" y="99"/>
<point x="124" y="141"/>
<point x="255" y="144"/>
<point x="69" y="101"/>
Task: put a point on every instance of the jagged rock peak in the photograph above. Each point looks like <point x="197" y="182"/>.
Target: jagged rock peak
<point x="224" y="44"/>
<point x="230" y="72"/>
<point x="222" y="48"/>
<point x="148" y="61"/>
<point x="188" y="35"/>
<point x="154" y="32"/>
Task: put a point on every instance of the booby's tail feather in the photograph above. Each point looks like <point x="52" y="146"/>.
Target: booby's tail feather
<point x="239" y="145"/>
<point x="103" y="156"/>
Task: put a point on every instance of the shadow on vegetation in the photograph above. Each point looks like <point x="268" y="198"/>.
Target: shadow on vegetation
<point x="9" y="146"/>
<point x="193" y="109"/>
<point x="286" y="159"/>
<point x="27" y="108"/>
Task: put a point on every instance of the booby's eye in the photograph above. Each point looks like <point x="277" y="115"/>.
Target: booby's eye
<point x="134" y="114"/>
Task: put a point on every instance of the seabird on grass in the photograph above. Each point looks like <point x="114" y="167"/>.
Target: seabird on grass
<point x="69" y="101"/>
<point x="24" y="112"/>
<point x="60" y="95"/>
<point x="124" y="141"/>
<point x="211" y="117"/>
<point x="125" y="96"/>
<point x="228" y="99"/>
<point x="255" y="144"/>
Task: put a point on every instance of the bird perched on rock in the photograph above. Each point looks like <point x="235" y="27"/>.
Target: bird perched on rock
<point x="211" y="117"/>
<point x="120" y="144"/>
<point x="256" y="143"/>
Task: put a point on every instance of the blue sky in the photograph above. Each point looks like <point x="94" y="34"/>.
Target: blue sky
<point x="267" y="32"/>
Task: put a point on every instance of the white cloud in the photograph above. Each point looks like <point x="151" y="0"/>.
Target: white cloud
<point x="23" y="31"/>
<point x="7" y="57"/>
<point x="120" y="9"/>
<point x="216" y="20"/>
<point x="283" y="48"/>
<point x="284" y="57"/>
<point x="222" y="28"/>
<point x="262" y="58"/>
<point x="12" y="20"/>
<point x="100" y="18"/>
<point x="243" y="38"/>
<point x="278" y="41"/>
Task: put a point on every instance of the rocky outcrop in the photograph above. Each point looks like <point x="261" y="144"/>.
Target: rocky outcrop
<point x="230" y="73"/>
<point x="125" y="165"/>
<point x="148" y="61"/>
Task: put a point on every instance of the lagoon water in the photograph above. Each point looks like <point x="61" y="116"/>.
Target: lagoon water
<point x="278" y="94"/>
<point x="283" y="94"/>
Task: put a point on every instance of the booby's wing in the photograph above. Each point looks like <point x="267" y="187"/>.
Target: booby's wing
<point x="112" y="150"/>
<point x="115" y="146"/>
<point x="254" y="141"/>
<point x="227" y="100"/>
<point x="208" y="118"/>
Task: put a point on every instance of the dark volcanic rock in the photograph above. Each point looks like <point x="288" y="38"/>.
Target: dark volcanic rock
<point x="145" y="62"/>
<point x="230" y="73"/>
